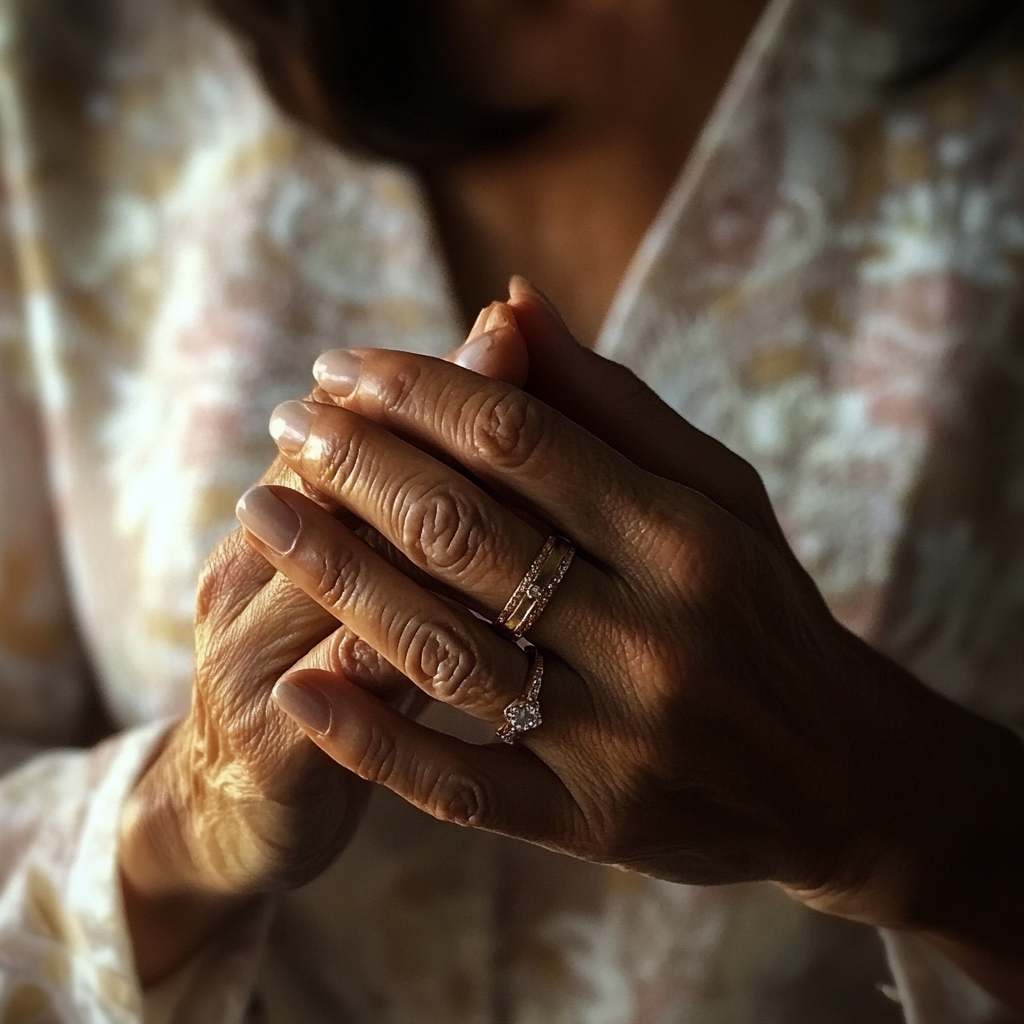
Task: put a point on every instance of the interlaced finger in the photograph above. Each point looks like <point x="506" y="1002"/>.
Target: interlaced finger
<point x="496" y="788"/>
<point x="442" y="648"/>
<point x="575" y="482"/>
<point x="442" y="521"/>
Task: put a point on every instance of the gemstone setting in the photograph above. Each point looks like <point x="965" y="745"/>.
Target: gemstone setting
<point x="523" y="715"/>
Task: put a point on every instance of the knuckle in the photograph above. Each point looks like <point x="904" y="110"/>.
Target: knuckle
<point x="336" y="579"/>
<point x="598" y="838"/>
<point x="619" y="844"/>
<point x="351" y="657"/>
<point x="614" y="821"/>
<point x="209" y="588"/>
<point x="458" y="799"/>
<point x="692" y="544"/>
<point x="399" y="392"/>
<point x="446" y="530"/>
<point x="445" y="663"/>
<point x="507" y="431"/>
<point x="224" y="586"/>
<point x="376" y="760"/>
<point x="662" y="540"/>
<point x="342" y="654"/>
<point x="337" y="458"/>
<point x="696" y="571"/>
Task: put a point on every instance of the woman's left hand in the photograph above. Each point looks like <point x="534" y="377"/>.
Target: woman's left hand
<point x="705" y="718"/>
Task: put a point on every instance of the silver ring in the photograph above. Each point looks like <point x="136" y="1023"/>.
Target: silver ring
<point x="523" y="714"/>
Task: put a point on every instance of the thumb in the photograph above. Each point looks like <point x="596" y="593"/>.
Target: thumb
<point x="495" y="348"/>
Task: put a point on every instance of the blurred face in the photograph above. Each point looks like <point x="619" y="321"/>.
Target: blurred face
<point x="593" y="60"/>
<point x="589" y="59"/>
<point x="535" y="52"/>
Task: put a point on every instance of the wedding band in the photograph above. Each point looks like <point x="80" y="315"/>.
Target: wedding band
<point x="536" y="588"/>
<point x="523" y="714"/>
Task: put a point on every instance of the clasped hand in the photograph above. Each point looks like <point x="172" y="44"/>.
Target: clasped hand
<point x="705" y="718"/>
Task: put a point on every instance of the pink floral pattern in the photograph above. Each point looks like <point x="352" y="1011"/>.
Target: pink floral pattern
<point x="832" y="289"/>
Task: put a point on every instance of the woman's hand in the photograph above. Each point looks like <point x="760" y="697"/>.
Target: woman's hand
<point x="239" y="802"/>
<point x="705" y="717"/>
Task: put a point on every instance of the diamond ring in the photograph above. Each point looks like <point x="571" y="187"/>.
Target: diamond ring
<point x="523" y="714"/>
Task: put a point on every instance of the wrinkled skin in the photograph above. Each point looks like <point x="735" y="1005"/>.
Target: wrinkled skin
<point x="239" y="802"/>
<point x="695" y="676"/>
<point x="266" y="810"/>
<point x="706" y="719"/>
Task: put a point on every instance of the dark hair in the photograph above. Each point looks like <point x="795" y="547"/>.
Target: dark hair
<point x="378" y="77"/>
<point x="934" y="45"/>
<point x="380" y="72"/>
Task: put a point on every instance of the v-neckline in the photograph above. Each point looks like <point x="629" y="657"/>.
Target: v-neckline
<point x="763" y="42"/>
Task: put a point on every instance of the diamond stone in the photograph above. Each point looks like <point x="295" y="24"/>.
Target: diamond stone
<point x="523" y="715"/>
<point x="533" y="592"/>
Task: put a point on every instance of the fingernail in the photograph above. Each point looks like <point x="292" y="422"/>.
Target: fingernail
<point x="475" y="352"/>
<point x="519" y="283"/>
<point x="272" y="520"/>
<point x="497" y="317"/>
<point x="478" y="323"/>
<point x="338" y="371"/>
<point x="491" y="318"/>
<point x="306" y="704"/>
<point x="290" y="424"/>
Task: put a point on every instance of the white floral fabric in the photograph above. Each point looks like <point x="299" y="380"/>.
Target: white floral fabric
<point x="832" y="289"/>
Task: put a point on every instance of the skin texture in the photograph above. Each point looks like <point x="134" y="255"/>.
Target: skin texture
<point x="237" y="802"/>
<point x="706" y="720"/>
<point x="218" y="817"/>
<point x="241" y="802"/>
<point x="630" y="84"/>
<point x="731" y="742"/>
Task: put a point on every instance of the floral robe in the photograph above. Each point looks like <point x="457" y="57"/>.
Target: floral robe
<point x="831" y="289"/>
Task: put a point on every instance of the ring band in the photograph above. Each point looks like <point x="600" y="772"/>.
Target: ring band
<point x="523" y="714"/>
<point x="536" y="588"/>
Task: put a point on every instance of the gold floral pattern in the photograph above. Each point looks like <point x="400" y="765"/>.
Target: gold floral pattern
<point x="832" y="289"/>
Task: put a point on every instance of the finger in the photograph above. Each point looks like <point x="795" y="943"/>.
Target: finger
<point x="504" y="436"/>
<point x="278" y="625"/>
<point x="272" y="634"/>
<point x="310" y="636"/>
<point x="234" y="575"/>
<point x="441" y="648"/>
<point x="495" y="348"/>
<point x="498" y="789"/>
<point x="442" y="521"/>
<point x="344" y="653"/>
<point x="612" y="403"/>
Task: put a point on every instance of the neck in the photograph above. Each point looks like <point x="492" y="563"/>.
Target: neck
<point x="569" y="211"/>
